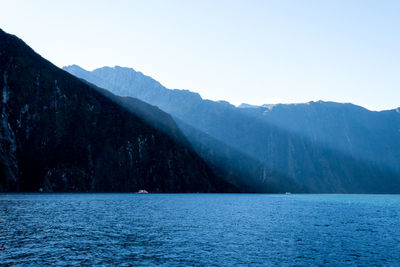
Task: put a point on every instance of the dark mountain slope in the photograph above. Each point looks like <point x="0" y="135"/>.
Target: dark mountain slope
<point x="152" y="115"/>
<point x="59" y="134"/>
<point x="308" y="144"/>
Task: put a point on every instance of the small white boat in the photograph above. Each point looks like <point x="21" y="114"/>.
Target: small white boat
<point x="142" y="191"/>
<point x="288" y="193"/>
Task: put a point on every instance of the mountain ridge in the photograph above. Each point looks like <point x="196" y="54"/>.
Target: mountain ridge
<point x="74" y="68"/>
<point x="59" y="134"/>
<point x="317" y="144"/>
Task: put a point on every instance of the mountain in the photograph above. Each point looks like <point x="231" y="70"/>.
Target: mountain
<point x="355" y="131"/>
<point x="60" y="133"/>
<point x="246" y="173"/>
<point x="321" y="147"/>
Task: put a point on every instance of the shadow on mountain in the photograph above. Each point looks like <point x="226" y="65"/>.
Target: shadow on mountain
<point x="58" y="134"/>
<point x="371" y="136"/>
<point x="307" y="162"/>
<point x="329" y="148"/>
<point x="246" y="173"/>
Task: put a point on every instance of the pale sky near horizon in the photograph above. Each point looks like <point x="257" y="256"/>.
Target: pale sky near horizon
<point x="249" y="51"/>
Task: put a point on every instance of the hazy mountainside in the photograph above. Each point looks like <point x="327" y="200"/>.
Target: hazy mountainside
<point x="62" y="134"/>
<point x="324" y="147"/>
<point x="246" y="173"/>
<point x="350" y="129"/>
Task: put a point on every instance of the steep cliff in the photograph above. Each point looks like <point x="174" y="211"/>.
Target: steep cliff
<point x="59" y="133"/>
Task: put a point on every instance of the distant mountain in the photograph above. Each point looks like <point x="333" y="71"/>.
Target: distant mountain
<point x="119" y="81"/>
<point x="59" y="133"/>
<point x="315" y="147"/>
<point x="352" y="130"/>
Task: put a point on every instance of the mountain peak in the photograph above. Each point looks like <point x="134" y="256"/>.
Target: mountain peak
<point x="60" y="133"/>
<point x="73" y="66"/>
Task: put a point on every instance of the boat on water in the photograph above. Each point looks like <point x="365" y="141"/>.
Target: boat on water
<point x="142" y="191"/>
<point x="288" y="193"/>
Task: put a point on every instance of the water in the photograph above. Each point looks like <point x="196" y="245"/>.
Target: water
<point x="199" y="229"/>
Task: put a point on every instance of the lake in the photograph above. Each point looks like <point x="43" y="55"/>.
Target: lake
<point x="199" y="229"/>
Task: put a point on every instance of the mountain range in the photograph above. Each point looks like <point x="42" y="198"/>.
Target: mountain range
<point x="59" y="133"/>
<point x="319" y="147"/>
<point x="117" y="130"/>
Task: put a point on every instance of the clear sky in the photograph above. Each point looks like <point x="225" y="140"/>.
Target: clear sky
<point x="241" y="51"/>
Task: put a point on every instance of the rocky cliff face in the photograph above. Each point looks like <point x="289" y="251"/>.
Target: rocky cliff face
<point x="59" y="133"/>
<point x="323" y="147"/>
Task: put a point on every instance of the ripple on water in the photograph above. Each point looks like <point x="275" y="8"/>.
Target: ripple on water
<point x="199" y="229"/>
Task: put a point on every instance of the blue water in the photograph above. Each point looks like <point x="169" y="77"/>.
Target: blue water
<point x="199" y="229"/>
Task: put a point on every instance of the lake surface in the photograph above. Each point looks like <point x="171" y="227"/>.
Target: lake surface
<point x="199" y="229"/>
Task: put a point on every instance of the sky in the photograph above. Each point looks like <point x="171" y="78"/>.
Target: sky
<point x="249" y="51"/>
